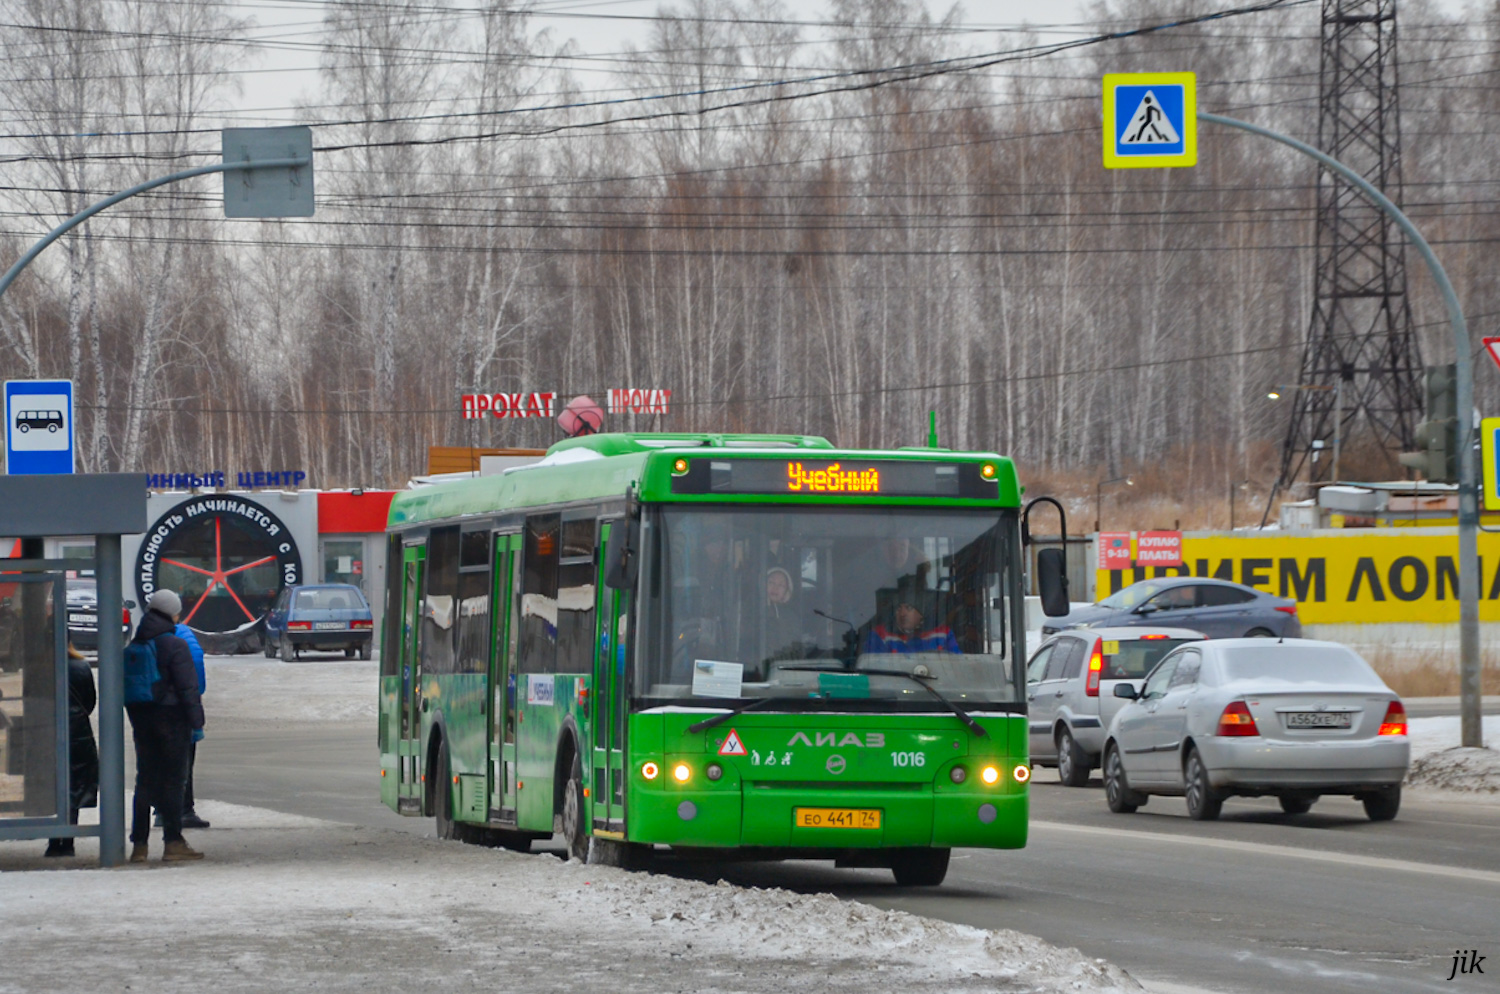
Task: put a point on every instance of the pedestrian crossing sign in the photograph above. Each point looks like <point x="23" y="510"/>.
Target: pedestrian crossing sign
<point x="1150" y="120"/>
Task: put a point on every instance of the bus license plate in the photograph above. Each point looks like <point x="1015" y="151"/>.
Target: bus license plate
<point x="328" y="626"/>
<point x="1318" y="719"/>
<point x="838" y="817"/>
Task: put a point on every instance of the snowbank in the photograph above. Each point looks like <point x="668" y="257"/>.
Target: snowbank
<point x="1437" y="760"/>
<point x="295" y="904"/>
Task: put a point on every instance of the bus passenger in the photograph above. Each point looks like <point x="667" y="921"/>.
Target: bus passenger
<point x="907" y="633"/>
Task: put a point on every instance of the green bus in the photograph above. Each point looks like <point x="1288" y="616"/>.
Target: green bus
<point x="737" y="646"/>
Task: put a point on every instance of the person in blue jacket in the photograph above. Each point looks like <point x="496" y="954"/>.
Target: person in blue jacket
<point x="190" y="817"/>
<point x="907" y="633"/>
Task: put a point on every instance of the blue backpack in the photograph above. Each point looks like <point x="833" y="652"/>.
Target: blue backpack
<point x="141" y="673"/>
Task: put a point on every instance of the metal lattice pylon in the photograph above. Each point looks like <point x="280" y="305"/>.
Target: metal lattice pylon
<point x="1361" y="329"/>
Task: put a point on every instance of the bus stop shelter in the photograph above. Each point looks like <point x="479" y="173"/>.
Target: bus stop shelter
<point x="34" y="746"/>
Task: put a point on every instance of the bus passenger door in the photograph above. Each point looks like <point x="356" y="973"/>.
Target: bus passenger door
<point x="409" y="745"/>
<point x="610" y="702"/>
<point x="502" y="708"/>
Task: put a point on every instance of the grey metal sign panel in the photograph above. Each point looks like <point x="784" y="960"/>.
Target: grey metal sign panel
<point x="73" y="504"/>
<point x="279" y="191"/>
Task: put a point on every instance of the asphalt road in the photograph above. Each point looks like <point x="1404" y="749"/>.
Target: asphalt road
<point x="1322" y="902"/>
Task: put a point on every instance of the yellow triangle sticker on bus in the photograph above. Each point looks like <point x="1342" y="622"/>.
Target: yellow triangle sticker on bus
<point x="732" y="745"/>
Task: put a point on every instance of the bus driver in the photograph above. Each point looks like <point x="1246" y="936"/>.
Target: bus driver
<point x="907" y="632"/>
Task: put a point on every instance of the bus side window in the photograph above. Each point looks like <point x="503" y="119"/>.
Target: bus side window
<point x="440" y="606"/>
<point x="539" y="614"/>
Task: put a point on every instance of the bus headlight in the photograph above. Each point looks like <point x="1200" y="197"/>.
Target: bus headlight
<point x="714" y="771"/>
<point x="958" y="774"/>
<point x="1022" y="773"/>
<point x="682" y="772"/>
<point x="650" y="770"/>
<point x="990" y="775"/>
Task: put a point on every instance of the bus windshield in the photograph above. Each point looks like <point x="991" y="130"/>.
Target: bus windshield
<point x="830" y="604"/>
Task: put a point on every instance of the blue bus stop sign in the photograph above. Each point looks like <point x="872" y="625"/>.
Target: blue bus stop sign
<point x="38" y="426"/>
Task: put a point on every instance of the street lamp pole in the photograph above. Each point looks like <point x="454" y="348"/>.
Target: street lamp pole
<point x="1471" y="720"/>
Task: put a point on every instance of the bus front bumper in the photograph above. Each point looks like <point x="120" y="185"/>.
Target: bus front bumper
<point x="759" y="817"/>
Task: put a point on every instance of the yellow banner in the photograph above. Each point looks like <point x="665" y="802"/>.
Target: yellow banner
<point x="1357" y="577"/>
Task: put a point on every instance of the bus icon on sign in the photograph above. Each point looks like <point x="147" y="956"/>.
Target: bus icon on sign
<point x="41" y="420"/>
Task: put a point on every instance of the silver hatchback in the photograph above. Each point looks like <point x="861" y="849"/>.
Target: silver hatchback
<point x="1070" y="690"/>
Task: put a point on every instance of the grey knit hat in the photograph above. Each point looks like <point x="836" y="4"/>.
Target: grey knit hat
<point x="165" y="601"/>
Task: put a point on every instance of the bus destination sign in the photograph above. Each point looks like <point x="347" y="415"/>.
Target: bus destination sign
<point x="832" y="478"/>
<point x="836" y="479"/>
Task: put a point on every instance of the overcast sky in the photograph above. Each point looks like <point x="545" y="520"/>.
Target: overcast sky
<point x="284" y="69"/>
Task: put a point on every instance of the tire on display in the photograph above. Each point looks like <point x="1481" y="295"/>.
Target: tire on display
<point x="920" y="867"/>
<point x="442" y="801"/>
<point x="1203" y="802"/>
<point x="1072" y="762"/>
<point x="287" y="654"/>
<point x="1296" y="805"/>
<point x="574" y="830"/>
<point x="1121" y="799"/>
<point x="1382" y="805"/>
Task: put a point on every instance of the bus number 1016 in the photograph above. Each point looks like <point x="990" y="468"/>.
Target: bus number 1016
<point x="909" y="758"/>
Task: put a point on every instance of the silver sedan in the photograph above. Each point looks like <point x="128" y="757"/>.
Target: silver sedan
<point x="1295" y="719"/>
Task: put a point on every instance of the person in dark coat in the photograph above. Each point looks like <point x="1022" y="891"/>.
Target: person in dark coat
<point x="83" y="752"/>
<point x="163" y="731"/>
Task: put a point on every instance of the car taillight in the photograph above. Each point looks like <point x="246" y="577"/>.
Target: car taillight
<point x="1287" y="608"/>
<point x="299" y="626"/>
<point x="366" y="623"/>
<point x="1237" y="721"/>
<point x="1096" y="664"/>
<point x="1395" y="719"/>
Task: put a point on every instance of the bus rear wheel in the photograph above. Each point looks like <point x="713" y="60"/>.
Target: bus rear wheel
<point x="920" y="867"/>
<point x="574" y="830"/>
<point x="443" y="803"/>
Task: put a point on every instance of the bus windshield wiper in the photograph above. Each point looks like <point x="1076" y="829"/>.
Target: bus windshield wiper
<point x="759" y="702"/>
<point x="963" y="715"/>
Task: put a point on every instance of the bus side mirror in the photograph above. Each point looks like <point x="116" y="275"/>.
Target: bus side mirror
<point x="620" y="560"/>
<point x="1052" y="581"/>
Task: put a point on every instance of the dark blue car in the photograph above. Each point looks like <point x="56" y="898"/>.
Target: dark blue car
<point x="320" y="617"/>
<point x="1217" y="608"/>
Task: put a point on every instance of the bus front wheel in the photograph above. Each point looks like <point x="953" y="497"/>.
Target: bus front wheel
<point x="574" y="830"/>
<point x="920" y="867"/>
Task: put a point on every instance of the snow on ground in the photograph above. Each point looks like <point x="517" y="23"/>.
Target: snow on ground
<point x="316" y="688"/>
<point x="1438" y="761"/>
<point x="296" y="904"/>
<point x="291" y="903"/>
